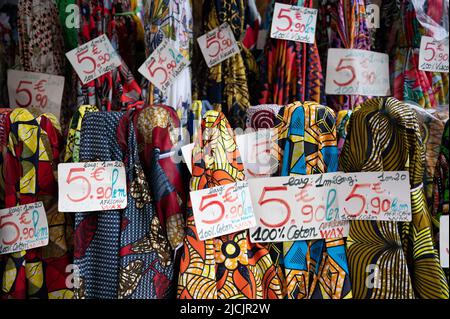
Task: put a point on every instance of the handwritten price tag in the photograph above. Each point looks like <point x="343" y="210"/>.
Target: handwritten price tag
<point x="29" y="89"/>
<point x="294" y="23"/>
<point x="222" y="210"/>
<point x="357" y="72"/>
<point x="295" y="208"/>
<point x="218" y="45"/>
<point x="94" y="59"/>
<point x="444" y="234"/>
<point x="433" y="55"/>
<point x="90" y="187"/>
<point x="164" y="65"/>
<point x="23" y="228"/>
<point x="375" y="196"/>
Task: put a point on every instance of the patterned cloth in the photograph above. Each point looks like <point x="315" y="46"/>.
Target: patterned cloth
<point x="308" y="137"/>
<point x="172" y="20"/>
<point x="432" y="124"/>
<point x="226" y="85"/>
<point x="291" y="71"/>
<point x="262" y="116"/>
<point x="29" y="169"/>
<point x="116" y="90"/>
<point x="342" y="127"/>
<point x="407" y="261"/>
<point x="120" y="254"/>
<point x="344" y="25"/>
<point x="227" y="267"/>
<point x="198" y="110"/>
<point x="158" y="131"/>
<point x="441" y="187"/>
<point x="72" y="154"/>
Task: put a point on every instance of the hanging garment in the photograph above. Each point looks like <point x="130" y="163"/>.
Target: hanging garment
<point x="198" y="110"/>
<point x="344" y="26"/>
<point x="291" y="71"/>
<point x="120" y="254"/>
<point x="227" y="267"/>
<point x="429" y="89"/>
<point x="116" y="90"/>
<point x="4" y="133"/>
<point x="441" y="187"/>
<point x="342" y="127"/>
<point x="226" y="85"/>
<point x="262" y="116"/>
<point x="171" y="20"/>
<point x="29" y="169"/>
<point x="384" y="135"/>
<point x="72" y="154"/>
<point x="308" y="138"/>
<point x="432" y="124"/>
<point x="158" y="134"/>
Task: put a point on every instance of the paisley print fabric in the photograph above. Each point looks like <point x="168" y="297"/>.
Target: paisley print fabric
<point x="313" y="269"/>
<point x="29" y="171"/>
<point x="228" y="267"/>
<point x="384" y="134"/>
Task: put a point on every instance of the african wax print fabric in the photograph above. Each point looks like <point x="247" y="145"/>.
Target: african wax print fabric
<point x="29" y="172"/>
<point x="384" y="135"/>
<point x="227" y="267"/>
<point x="315" y="269"/>
<point x="120" y="254"/>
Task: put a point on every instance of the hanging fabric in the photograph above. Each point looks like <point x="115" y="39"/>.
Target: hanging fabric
<point x="227" y="267"/>
<point x="404" y="253"/>
<point x="29" y="171"/>
<point x="308" y="138"/>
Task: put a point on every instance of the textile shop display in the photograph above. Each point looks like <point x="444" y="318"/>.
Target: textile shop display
<point x="260" y="116"/>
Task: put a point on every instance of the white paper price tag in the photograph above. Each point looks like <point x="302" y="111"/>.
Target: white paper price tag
<point x="433" y="56"/>
<point x="357" y="72"/>
<point x="164" y="65"/>
<point x="94" y="59"/>
<point x="222" y="210"/>
<point x="23" y="228"/>
<point x="294" y="23"/>
<point x="92" y="186"/>
<point x="39" y="90"/>
<point x="444" y="239"/>
<point x="218" y="45"/>
<point x="381" y="196"/>
<point x="294" y="208"/>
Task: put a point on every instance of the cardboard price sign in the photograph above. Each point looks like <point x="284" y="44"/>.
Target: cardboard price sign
<point x="222" y="210"/>
<point x="164" y="65"/>
<point x="378" y="196"/>
<point x="320" y="206"/>
<point x="291" y="209"/>
<point x="444" y="239"/>
<point x="92" y="186"/>
<point x="433" y="56"/>
<point x="218" y="45"/>
<point x="23" y="228"/>
<point x="294" y="23"/>
<point x="94" y="59"/>
<point x="29" y="89"/>
<point x="357" y="72"/>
